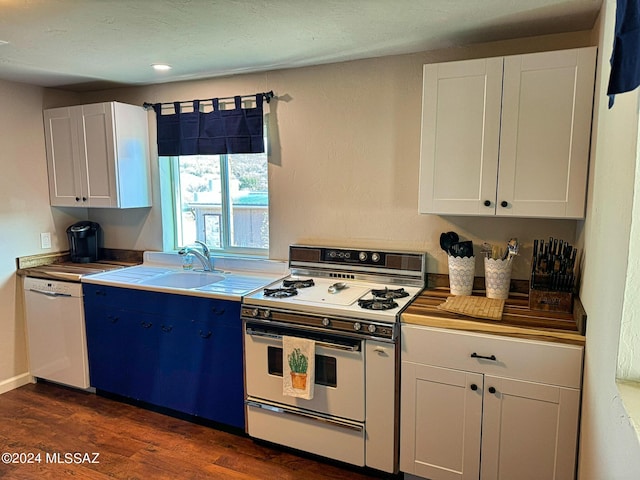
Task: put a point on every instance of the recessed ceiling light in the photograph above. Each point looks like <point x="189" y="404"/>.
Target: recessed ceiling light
<point x="161" y="67"/>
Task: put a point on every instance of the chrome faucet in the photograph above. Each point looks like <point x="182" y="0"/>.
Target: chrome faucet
<point x="204" y="257"/>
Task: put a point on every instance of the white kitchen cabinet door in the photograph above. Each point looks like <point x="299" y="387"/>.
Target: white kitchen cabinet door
<point x="98" y="156"/>
<point x="61" y="138"/>
<point x="529" y="430"/>
<point x="545" y="133"/>
<point x="508" y="136"/>
<point x="441" y="416"/>
<point x="460" y="136"/>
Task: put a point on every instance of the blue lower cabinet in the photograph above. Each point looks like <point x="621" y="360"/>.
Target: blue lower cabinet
<point x="188" y="358"/>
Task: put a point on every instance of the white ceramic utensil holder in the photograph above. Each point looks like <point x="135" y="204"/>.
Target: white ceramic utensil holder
<point x="497" y="277"/>
<point x="461" y="273"/>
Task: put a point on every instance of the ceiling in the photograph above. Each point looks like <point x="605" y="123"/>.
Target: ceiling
<point x="92" y="44"/>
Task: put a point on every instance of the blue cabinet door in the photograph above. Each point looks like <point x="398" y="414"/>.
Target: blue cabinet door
<point x="221" y="392"/>
<point x="200" y="363"/>
<point x="122" y="349"/>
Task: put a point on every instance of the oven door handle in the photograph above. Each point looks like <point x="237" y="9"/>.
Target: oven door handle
<point x="275" y="336"/>
<point x="298" y="413"/>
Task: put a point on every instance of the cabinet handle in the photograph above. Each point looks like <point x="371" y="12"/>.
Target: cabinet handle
<point x="504" y="204"/>
<point x="146" y="324"/>
<point x="166" y="328"/>
<point x="491" y="357"/>
<point x="492" y="390"/>
<point x="474" y="387"/>
<point x="204" y="335"/>
<point x="84" y="199"/>
<point x="487" y="203"/>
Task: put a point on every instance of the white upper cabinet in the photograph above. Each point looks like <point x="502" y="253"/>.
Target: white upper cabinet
<point x="507" y="136"/>
<point x="98" y="156"/>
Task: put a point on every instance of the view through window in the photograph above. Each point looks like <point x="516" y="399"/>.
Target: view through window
<point x="223" y="201"/>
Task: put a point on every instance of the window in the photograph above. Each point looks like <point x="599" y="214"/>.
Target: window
<point x="221" y="200"/>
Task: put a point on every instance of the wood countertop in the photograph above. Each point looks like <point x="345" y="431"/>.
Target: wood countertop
<point x="517" y="319"/>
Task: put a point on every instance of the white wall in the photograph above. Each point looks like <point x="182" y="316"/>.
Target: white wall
<point x="609" y="447"/>
<point x="629" y="349"/>
<point x="24" y="213"/>
<point x="345" y="161"/>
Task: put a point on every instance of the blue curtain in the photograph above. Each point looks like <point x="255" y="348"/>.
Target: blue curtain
<point x="238" y="130"/>
<point x="625" y="58"/>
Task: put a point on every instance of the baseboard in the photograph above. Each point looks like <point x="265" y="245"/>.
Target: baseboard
<point x="15" y="382"/>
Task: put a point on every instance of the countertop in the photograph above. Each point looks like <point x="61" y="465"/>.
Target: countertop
<point x="517" y="319"/>
<point x="134" y="270"/>
<point x="58" y="266"/>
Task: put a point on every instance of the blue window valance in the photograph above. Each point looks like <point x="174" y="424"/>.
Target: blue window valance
<point x="217" y="132"/>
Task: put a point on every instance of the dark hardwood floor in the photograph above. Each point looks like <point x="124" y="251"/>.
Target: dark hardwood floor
<point x="44" y="422"/>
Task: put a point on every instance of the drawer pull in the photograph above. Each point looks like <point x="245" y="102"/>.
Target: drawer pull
<point x="474" y="387"/>
<point x="491" y="357"/>
<point x="492" y="390"/>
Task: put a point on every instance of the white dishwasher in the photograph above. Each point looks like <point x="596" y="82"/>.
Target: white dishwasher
<point x="55" y="331"/>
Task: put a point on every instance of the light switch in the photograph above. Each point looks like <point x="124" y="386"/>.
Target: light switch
<point x="45" y="240"/>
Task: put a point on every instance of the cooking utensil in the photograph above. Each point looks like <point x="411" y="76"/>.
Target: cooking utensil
<point x="447" y="239"/>
<point x="486" y="250"/>
<point x="462" y="249"/>
<point x="512" y="249"/>
<point x="336" y="287"/>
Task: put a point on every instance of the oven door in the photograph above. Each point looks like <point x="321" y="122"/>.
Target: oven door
<point x="339" y="374"/>
<point x="331" y="424"/>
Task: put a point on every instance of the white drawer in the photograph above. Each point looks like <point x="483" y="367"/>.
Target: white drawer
<point x="544" y="362"/>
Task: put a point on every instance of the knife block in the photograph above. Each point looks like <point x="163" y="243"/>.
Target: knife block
<point x="550" y="301"/>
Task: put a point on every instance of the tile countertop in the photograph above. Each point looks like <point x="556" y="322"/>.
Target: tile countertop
<point x="242" y="275"/>
<point x="517" y="319"/>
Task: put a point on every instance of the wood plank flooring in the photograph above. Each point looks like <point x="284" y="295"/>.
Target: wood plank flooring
<point x="135" y="443"/>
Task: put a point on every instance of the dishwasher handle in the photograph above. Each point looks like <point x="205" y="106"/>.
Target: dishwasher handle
<point x="50" y="294"/>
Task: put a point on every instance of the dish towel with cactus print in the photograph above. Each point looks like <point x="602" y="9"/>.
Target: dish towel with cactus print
<point x="298" y="367"/>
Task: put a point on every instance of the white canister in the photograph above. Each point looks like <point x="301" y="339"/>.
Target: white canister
<point x="497" y="277"/>
<point x="461" y="274"/>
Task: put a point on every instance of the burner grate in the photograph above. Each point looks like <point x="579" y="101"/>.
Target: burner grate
<point x="377" y="303"/>
<point x="280" y="292"/>
<point x="298" y="283"/>
<point x="387" y="293"/>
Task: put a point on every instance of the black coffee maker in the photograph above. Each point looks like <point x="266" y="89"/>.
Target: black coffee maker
<point x="83" y="241"/>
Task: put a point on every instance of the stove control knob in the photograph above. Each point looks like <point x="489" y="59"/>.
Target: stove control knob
<point x="357" y="326"/>
<point x="362" y="256"/>
<point x="326" y="322"/>
<point x="266" y="314"/>
<point x="255" y="312"/>
<point x="375" y="257"/>
<point x="371" y="328"/>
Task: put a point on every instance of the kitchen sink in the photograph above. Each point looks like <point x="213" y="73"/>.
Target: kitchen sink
<point x="184" y="279"/>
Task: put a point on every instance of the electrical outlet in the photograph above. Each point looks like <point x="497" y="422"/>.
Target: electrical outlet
<point x="45" y="240"/>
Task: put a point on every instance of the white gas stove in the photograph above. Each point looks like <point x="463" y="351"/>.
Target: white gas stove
<point x="348" y="303"/>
